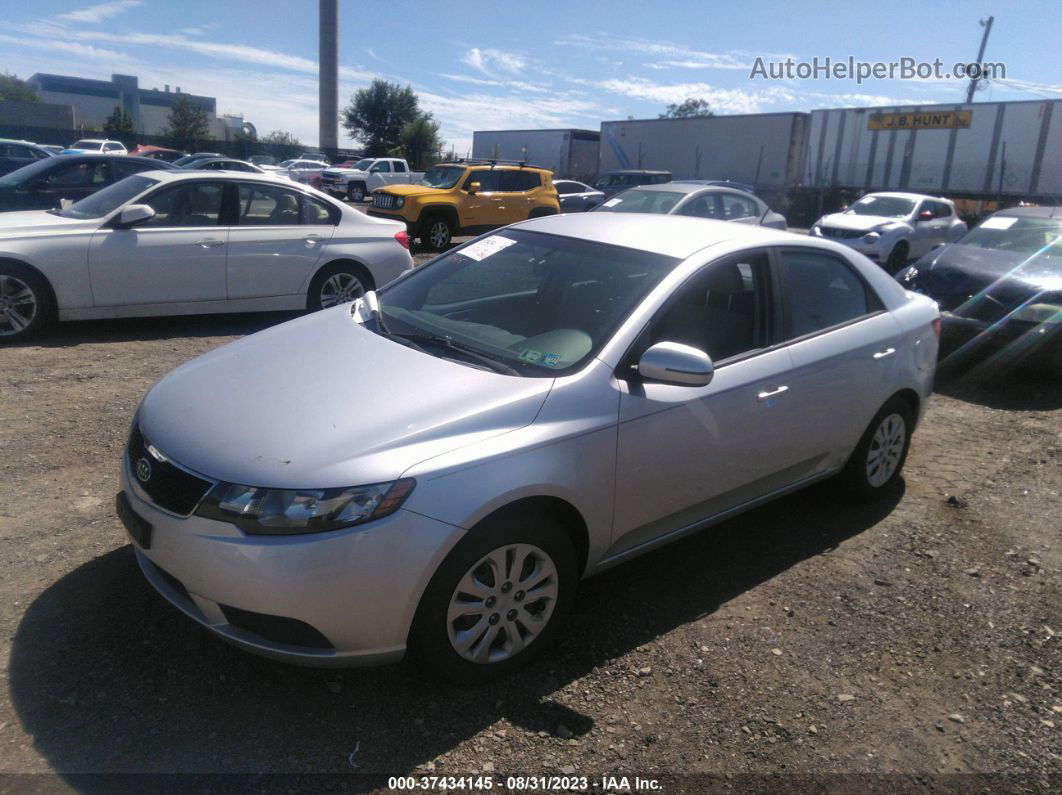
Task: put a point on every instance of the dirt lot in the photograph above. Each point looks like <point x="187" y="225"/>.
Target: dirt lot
<point x="788" y="649"/>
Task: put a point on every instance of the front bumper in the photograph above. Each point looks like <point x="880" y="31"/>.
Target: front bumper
<point x="357" y="588"/>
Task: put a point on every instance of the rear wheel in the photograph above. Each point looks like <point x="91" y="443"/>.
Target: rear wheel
<point x="26" y="303"/>
<point x="437" y="233"/>
<point x="338" y="283"/>
<point x="879" y="457"/>
<point x="497" y="599"/>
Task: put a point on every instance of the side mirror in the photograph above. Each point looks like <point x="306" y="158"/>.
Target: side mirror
<point x="925" y="215"/>
<point x="473" y="188"/>
<point x="135" y="214"/>
<point x="374" y="170"/>
<point x="675" y="363"/>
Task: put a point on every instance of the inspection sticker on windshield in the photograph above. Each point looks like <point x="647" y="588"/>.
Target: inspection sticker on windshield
<point x="482" y="249"/>
<point x="611" y="202"/>
<point x="999" y="223"/>
<point x="551" y="359"/>
<point x="530" y="355"/>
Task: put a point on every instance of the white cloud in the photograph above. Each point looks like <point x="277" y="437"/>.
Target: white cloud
<point x="72" y="47"/>
<point x="99" y="12"/>
<point x="721" y="100"/>
<point x="490" y="60"/>
<point x="671" y="55"/>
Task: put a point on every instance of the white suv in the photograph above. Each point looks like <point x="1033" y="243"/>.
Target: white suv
<point x="96" y="145"/>
<point x="892" y="228"/>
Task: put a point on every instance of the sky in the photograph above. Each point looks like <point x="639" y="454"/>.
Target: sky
<point x="536" y="64"/>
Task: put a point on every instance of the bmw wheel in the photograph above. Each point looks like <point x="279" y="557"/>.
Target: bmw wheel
<point x="25" y="302"/>
<point x="339" y="283"/>
<point x="496" y="601"/>
<point x="880" y="455"/>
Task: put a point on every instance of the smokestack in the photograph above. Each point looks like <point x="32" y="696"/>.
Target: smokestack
<point x="328" y="81"/>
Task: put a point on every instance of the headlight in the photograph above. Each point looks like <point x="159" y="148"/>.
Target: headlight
<point x="259" y="511"/>
<point x="872" y="237"/>
<point x="400" y="202"/>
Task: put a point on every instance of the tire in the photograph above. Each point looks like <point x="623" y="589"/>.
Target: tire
<point x="26" y="302"/>
<point x="436" y="232"/>
<point x="338" y="283"/>
<point x="897" y="257"/>
<point x="505" y="634"/>
<point x="875" y="466"/>
<point x="356" y="193"/>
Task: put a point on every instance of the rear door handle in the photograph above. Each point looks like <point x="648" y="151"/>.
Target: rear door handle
<point x="884" y="354"/>
<point x="772" y="393"/>
<point x="210" y="243"/>
<point x="312" y="239"/>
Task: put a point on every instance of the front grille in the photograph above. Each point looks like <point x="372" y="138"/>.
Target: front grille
<point x="847" y="234"/>
<point x="383" y="200"/>
<point x="168" y="486"/>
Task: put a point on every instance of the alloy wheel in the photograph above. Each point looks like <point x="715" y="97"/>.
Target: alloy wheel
<point x="18" y="306"/>
<point x="886" y="450"/>
<point x="357" y="194"/>
<point x="439" y="235"/>
<point x="502" y="603"/>
<point x="341" y="288"/>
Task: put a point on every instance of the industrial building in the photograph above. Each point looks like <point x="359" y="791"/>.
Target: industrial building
<point x="93" y="101"/>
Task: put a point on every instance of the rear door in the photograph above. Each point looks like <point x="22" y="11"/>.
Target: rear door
<point x="178" y="256"/>
<point x="277" y="240"/>
<point x="845" y="348"/>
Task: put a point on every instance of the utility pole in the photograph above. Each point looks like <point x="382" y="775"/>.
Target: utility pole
<point x="328" y="79"/>
<point x="987" y="25"/>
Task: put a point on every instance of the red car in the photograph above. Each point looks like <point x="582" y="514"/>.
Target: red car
<point x="157" y="152"/>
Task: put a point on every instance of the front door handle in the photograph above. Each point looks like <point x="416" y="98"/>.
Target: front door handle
<point x="210" y="243"/>
<point x="884" y="354"/>
<point x="767" y="395"/>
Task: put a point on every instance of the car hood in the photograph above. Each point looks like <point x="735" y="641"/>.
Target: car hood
<point x="322" y="402"/>
<point x="36" y="222"/>
<point x="345" y="172"/>
<point x="412" y="190"/>
<point x="857" y="222"/>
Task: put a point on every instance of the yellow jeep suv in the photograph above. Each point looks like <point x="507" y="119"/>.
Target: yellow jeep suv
<point x="467" y="198"/>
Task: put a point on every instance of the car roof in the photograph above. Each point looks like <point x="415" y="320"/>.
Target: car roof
<point x="634" y="171"/>
<point x="178" y="174"/>
<point x="904" y="195"/>
<point x="687" y="187"/>
<point x="670" y="235"/>
<point x="1029" y="212"/>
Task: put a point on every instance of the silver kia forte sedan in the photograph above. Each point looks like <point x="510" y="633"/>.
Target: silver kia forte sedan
<point x="433" y="468"/>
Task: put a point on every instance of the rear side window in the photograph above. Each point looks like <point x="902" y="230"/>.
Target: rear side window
<point x="518" y="181"/>
<point x="706" y="206"/>
<point x="735" y="206"/>
<point x="400" y="167"/>
<point x="821" y="292"/>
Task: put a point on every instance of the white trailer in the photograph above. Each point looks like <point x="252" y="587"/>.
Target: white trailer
<point x="568" y="153"/>
<point x="983" y="149"/>
<point x="762" y="149"/>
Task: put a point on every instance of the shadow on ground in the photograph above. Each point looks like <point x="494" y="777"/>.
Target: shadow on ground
<point x="107" y="677"/>
<point x="999" y="382"/>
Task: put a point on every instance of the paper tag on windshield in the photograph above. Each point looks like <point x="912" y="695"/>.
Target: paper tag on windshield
<point x="611" y="202"/>
<point x="999" y="223"/>
<point x="482" y="249"/>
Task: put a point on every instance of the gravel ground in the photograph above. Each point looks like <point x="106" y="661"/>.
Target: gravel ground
<point x="808" y="644"/>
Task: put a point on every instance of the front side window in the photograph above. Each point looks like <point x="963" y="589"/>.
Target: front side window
<point x="721" y="311"/>
<point x="821" y="291"/>
<point x="489" y="181"/>
<point x="539" y="304"/>
<point x="187" y="204"/>
<point x="384" y="167"/>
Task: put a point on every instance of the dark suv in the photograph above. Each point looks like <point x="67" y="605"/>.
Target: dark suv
<point x="43" y="185"/>
<point x="612" y="182"/>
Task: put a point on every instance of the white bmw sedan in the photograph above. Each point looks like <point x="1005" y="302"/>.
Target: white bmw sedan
<point x="179" y="243"/>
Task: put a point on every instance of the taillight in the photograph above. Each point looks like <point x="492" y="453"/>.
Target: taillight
<point x="403" y="238"/>
<point x="936" y="327"/>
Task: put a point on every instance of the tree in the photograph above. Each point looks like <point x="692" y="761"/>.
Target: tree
<point x="377" y="115"/>
<point x="421" y="143"/>
<point x="283" y="138"/>
<point x="690" y="109"/>
<point x="187" y="123"/>
<point x="15" y="90"/>
<point x="119" y="125"/>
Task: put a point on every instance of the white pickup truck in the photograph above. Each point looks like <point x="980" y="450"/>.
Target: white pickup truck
<point x="368" y="174"/>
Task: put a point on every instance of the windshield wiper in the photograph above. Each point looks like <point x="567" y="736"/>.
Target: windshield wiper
<point x="469" y="351"/>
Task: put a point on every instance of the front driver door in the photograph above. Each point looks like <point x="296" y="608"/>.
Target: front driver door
<point x="686" y="453"/>
<point x="176" y="257"/>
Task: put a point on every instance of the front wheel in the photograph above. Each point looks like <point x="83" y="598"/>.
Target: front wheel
<point x="897" y="257"/>
<point x="497" y="599"/>
<point x="336" y="284"/>
<point x="879" y="457"/>
<point x="437" y="233"/>
<point x="25" y="303"/>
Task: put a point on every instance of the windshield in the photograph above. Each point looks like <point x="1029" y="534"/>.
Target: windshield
<point x="363" y="165"/>
<point x="93" y="145"/>
<point x="538" y="303"/>
<point x="642" y="201"/>
<point x="442" y="176"/>
<point x="1022" y="235"/>
<point x="883" y="206"/>
<point x="105" y="201"/>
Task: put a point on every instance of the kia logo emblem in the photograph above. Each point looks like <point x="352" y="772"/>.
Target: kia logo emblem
<point x="143" y="470"/>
